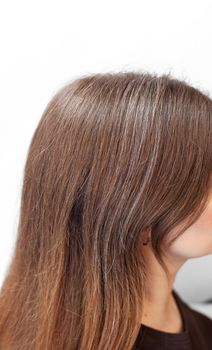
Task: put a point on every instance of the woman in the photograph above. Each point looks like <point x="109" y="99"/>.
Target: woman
<point x="117" y="159"/>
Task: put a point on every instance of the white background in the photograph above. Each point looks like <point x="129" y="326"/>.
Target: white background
<point x="44" y="44"/>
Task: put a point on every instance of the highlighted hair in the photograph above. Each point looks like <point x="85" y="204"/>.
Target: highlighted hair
<point x="113" y="155"/>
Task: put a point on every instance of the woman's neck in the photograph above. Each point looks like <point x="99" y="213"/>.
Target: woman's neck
<point x="160" y="310"/>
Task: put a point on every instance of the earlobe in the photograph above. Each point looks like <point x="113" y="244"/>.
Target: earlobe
<point x="148" y="240"/>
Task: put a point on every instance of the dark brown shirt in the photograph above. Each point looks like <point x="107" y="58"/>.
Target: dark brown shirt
<point x="196" y="335"/>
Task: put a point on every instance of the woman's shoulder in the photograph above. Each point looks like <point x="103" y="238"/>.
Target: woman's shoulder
<point x="190" y="311"/>
<point x="199" y="325"/>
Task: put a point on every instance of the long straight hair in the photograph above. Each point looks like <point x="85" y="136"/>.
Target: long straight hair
<point x="113" y="155"/>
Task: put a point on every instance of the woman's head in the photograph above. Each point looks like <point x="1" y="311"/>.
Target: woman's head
<point x="114" y="155"/>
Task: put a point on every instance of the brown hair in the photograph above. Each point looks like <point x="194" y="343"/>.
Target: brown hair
<point x="114" y="155"/>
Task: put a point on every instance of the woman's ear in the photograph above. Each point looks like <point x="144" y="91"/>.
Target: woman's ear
<point x="147" y="237"/>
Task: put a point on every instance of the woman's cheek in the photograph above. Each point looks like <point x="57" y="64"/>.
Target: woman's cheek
<point x="197" y="239"/>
